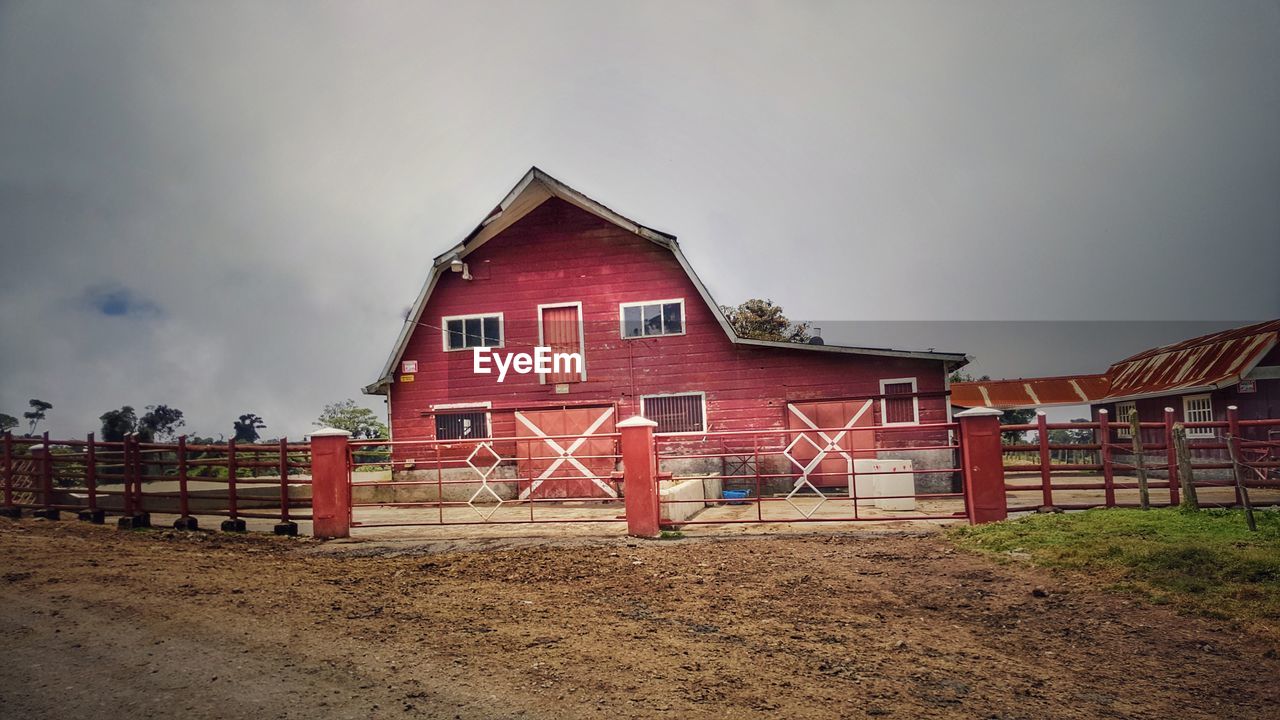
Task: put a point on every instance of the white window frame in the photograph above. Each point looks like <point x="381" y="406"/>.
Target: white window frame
<point x="457" y="408"/>
<point x="622" y="319"/>
<point x="1123" y="429"/>
<point x="444" y="330"/>
<point x="884" y="407"/>
<point x="1186" y="415"/>
<point x="582" y="337"/>
<point x="706" y="424"/>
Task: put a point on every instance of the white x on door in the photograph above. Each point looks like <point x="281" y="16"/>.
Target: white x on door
<point x="576" y="466"/>
<point x="833" y="429"/>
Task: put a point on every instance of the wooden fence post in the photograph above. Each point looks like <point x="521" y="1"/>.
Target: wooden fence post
<point x="330" y="484"/>
<point x="640" y="477"/>
<point x="1170" y="457"/>
<point x="1104" y="451"/>
<point x="1186" y="474"/>
<point x="1237" y="469"/>
<point x="9" y="509"/>
<point x="43" y="458"/>
<point x="92" y="513"/>
<point x="982" y="462"/>
<point x="1046" y="462"/>
<point x="1139" y="461"/>
<point x="285" y="526"/>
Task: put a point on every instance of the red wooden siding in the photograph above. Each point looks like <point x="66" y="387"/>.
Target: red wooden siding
<point x="561" y="254"/>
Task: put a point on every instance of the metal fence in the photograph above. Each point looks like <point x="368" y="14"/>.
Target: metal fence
<point x="810" y="475"/>
<point x="494" y="481"/>
<point x="136" y="480"/>
<point x="1104" y="472"/>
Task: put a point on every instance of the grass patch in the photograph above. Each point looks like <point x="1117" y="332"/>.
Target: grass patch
<point x="670" y="535"/>
<point x="1206" y="561"/>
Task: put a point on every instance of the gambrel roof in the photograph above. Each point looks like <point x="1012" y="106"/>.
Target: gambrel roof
<point x="535" y="188"/>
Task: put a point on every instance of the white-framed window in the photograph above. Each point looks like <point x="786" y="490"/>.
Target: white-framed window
<point x="462" y="424"/>
<point x="1198" y="408"/>
<point x="899" y="411"/>
<point x="462" y="332"/>
<point x="651" y="318"/>
<point x="676" y="413"/>
<point x="1123" y="411"/>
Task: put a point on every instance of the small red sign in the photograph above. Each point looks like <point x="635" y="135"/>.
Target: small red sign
<point x="409" y="367"/>
<point x="1247" y="386"/>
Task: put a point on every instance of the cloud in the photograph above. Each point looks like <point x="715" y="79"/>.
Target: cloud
<point x="113" y="300"/>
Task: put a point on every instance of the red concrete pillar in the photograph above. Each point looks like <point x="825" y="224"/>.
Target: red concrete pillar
<point x="640" y="476"/>
<point x="330" y="484"/>
<point x="982" y="460"/>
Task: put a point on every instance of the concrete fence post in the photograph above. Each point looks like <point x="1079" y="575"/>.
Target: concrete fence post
<point x="640" y="476"/>
<point x="330" y="484"/>
<point x="982" y="462"/>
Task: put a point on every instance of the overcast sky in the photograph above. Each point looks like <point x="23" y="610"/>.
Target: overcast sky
<point x="227" y="207"/>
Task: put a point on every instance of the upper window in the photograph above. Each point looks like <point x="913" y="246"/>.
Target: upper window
<point x="686" y="413"/>
<point x="653" y="317"/>
<point x="470" y="331"/>
<point x="1124" y="410"/>
<point x="462" y="425"/>
<point x="1195" y="409"/>
<point x="899" y="410"/>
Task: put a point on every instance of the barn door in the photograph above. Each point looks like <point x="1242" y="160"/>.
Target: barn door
<point x="833" y="429"/>
<point x="560" y="328"/>
<point x="576" y="466"/>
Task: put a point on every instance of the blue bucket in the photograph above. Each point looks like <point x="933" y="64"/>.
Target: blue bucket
<point x="734" y="496"/>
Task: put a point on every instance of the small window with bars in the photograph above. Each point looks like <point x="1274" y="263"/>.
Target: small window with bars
<point x="899" y="410"/>
<point x="462" y="425"/>
<point x="653" y="317"/>
<point x="1195" y="409"/>
<point x="1123" y="412"/>
<point x="676" y="413"/>
<point x="471" y="331"/>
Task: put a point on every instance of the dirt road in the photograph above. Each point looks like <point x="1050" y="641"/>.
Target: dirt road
<point x="99" y="622"/>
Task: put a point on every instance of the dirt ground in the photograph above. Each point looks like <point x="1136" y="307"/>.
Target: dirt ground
<point x="859" y="624"/>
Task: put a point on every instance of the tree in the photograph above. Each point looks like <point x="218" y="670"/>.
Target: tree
<point x="116" y="424"/>
<point x="1012" y="416"/>
<point x="36" y="414"/>
<point x="161" y="422"/>
<point x="247" y="427"/>
<point x="361" y="422"/>
<point x="1072" y="436"/>
<point x="758" y="319"/>
<point x="7" y="422"/>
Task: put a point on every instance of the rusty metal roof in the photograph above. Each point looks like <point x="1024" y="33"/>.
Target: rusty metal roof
<point x="1202" y="363"/>
<point x="1029" y="392"/>
<point x="1207" y="362"/>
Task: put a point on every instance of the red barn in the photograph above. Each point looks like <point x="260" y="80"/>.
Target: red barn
<point x="551" y="267"/>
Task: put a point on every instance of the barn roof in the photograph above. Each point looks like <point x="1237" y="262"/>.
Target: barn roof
<point x="535" y="188"/>
<point x="1202" y="363"/>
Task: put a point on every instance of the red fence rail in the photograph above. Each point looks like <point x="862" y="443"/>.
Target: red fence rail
<point x="135" y="479"/>
<point x="1103" y="471"/>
